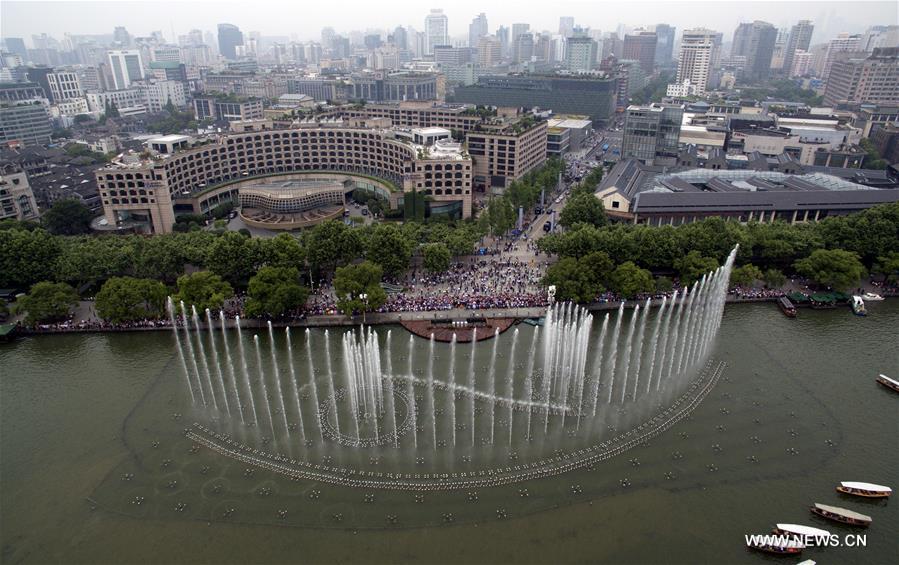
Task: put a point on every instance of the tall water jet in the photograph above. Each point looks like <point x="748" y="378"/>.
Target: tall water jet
<point x="529" y="379"/>
<point x="452" y="385"/>
<point x="170" y="306"/>
<point x="193" y="357"/>
<point x="232" y="375"/>
<point x="390" y="395"/>
<point x="492" y="372"/>
<point x="265" y="395"/>
<point x="278" y="386"/>
<point x="510" y="382"/>
<point x="330" y="373"/>
<point x="413" y="405"/>
<point x="474" y="342"/>
<point x="613" y="355"/>
<point x="245" y="370"/>
<point x="638" y="349"/>
<point x="628" y="344"/>
<point x="431" y="402"/>
<point x="598" y="369"/>
<point x="203" y="360"/>
<point x="654" y="340"/>
<point x="295" y="388"/>
<point x="215" y="361"/>
<point x="666" y="330"/>
<point x="318" y="423"/>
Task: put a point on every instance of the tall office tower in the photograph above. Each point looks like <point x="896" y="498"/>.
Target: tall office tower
<point x="879" y="36"/>
<point x="524" y="48"/>
<point x="755" y="41"/>
<point x="665" y="44"/>
<point x="802" y="64"/>
<point x="328" y="36"/>
<point x="641" y="46"/>
<point x="517" y="30"/>
<point x="127" y="67"/>
<point x="566" y="26"/>
<point x="230" y="37"/>
<point x="651" y="132"/>
<point x="502" y="34"/>
<point x="400" y="38"/>
<point x="436" y="30"/>
<point x="860" y="78"/>
<point x="580" y="54"/>
<point x="195" y="37"/>
<point x="780" y="48"/>
<point x="121" y="36"/>
<point x="16" y="45"/>
<point x="842" y="43"/>
<point x="800" y="39"/>
<point x="477" y="29"/>
<point x="694" y="60"/>
<point x="490" y="51"/>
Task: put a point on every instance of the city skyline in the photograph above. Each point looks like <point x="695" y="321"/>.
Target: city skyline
<point x="23" y="19"/>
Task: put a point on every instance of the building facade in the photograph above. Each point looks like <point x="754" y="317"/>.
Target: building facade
<point x="694" y="61"/>
<point x="865" y="80"/>
<point x="506" y="151"/>
<point x="16" y="197"/>
<point x="651" y="132"/>
<point x="127" y="66"/>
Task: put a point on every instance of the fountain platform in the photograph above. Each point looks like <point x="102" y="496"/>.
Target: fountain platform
<point x="443" y="330"/>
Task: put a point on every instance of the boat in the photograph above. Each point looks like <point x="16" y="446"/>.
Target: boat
<point x="786" y="307"/>
<point x="803" y="532"/>
<point x="888" y="382"/>
<point x="789" y="547"/>
<point x="866" y="490"/>
<point x="807" y="562"/>
<point x="872" y="297"/>
<point x="858" y="306"/>
<point x="843" y="515"/>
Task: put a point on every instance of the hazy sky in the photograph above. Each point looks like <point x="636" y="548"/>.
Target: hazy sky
<point x="303" y="19"/>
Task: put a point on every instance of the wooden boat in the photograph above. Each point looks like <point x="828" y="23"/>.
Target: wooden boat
<point x="803" y="532"/>
<point x="888" y="382"/>
<point x="843" y="515"/>
<point x="791" y="547"/>
<point x="866" y="490"/>
<point x="786" y="307"/>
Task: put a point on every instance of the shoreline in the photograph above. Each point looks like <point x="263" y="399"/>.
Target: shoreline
<point x="375" y="318"/>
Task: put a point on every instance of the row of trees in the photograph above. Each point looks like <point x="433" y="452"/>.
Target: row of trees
<point x="835" y="252"/>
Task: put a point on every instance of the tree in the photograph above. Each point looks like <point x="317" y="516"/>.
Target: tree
<point x="583" y="208"/>
<point x="47" y="302"/>
<point x="125" y="299"/>
<point x="834" y="268"/>
<point x="774" y="278"/>
<point x="745" y="275"/>
<point x="273" y="291"/>
<point x="235" y="257"/>
<point x="436" y="257"/>
<point x="68" y="217"/>
<point x="203" y="289"/>
<point x="693" y="265"/>
<point x="579" y="280"/>
<point x="84" y="260"/>
<point x="390" y="248"/>
<point x="888" y="265"/>
<point x="284" y="250"/>
<point x="498" y="217"/>
<point x="331" y="244"/>
<point x="664" y="284"/>
<point x="629" y="280"/>
<point x="26" y="257"/>
<point x="352" y="281"/>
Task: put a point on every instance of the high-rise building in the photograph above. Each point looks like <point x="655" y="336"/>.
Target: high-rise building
<point x="842" y="43"/>
<point x="580" y="54"/>
<point x="436" y="30"/>
<point x="651" y="132"/>
<point x="126" y="66"/>
<point x="16" y="45"/>
<point x="880" y="36"/>
<point x="230" y="37"/>
<point x="694" y="61"/>
<point x="328" y="36"/>
<point x="664" y="44"/>
<point x="871" y="79"/>
<point x="800" y="39"/>
<point x="121" y="36"/>
<point x="400" y="39"/>
<point x="755" y="41"/>
<point x="641" y="46"/>
<point x="23" y="115"/>
<point x="490" y="51"/>
<point x="517" y="30"/>
<point x="802" y="63"/>
<point x="502" y="34"/>
<point x="524" y="48"/>
<point x="64" y="85"/>
<point x="476" y="30"/>
<point x="566" y="26"/>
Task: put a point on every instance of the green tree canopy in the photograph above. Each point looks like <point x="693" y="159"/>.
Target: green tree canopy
<point x="203" y="289"/>
<point x="26" y="257"/>
<point x="389" y="247"/>
<point x="47" y="302"/>
<point x="353" y="281"/>
<point x="746" y="275"/>
<point x="774" y="278"/>
<point x="834" y="268"/>
<point x="583" y="208"/>
<point x="579" y="280"/>
<point x="68" y="217"/>
<point x="331" y="244"/>
<point x="126" y="299"/>
<point x="629" y="280"/>
<point x="436" y="257"/>
<point x="888" y="265"/>
<point x="235" y="257"/>
<point x="274" y="291"/>
<point x="693" y="265"/>
<point x="285" y="250"/>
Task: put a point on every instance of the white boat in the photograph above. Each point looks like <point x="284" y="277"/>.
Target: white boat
<point x="803" y="531"/>
<point x="807" y="562"/>
<point x="872" y="297"/>
<point x="866" y="490"/>
<point x="858" y="306"/>
<point x="886" y="381"/>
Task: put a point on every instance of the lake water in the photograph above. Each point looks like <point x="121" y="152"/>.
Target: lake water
<point x="92" y="423"/>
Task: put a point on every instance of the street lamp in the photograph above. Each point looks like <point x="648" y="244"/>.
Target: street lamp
<point x="364" y="298"/>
